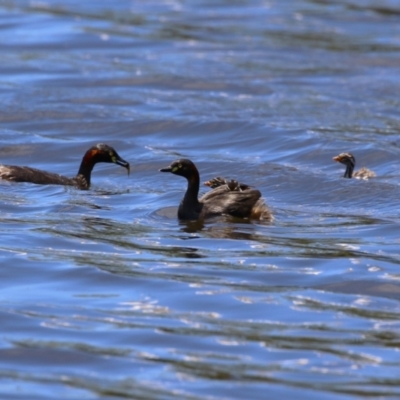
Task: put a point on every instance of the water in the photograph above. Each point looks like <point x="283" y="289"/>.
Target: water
<point x="106" y="295"/>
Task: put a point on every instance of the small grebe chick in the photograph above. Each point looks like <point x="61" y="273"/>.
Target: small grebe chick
<point x="350" y="162"/>
<point x="223" y="200"/>
<point x="232" y="184"/>
<point x="99" y="153"/>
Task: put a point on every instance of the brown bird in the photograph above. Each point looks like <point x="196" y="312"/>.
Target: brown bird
<point x="222" y="200"/>
<point x="99" y="153"/>
<point x="232" y="184"/>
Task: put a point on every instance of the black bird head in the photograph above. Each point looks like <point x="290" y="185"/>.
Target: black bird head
<point x="183" y="167"/>
<point x="104" y="153"/>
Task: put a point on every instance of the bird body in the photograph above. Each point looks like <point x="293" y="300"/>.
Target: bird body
<point x="33" y="175"/>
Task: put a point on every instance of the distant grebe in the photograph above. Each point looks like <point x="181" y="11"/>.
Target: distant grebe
<point x="349" y="161"/>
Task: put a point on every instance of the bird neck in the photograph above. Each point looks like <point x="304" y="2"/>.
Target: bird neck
<point x="86" y="167"/>
<point x="192" y="191"/>
<point x="190" y="207"/>
<point x="349" y="171"/>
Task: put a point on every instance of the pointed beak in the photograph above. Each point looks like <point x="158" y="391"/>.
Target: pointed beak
<point x="123" y="163"/>
<point x="167" y="169"/>
<point x="337" y="158"/>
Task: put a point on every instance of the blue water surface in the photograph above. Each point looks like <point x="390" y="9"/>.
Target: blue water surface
<point x="106" y="295"/>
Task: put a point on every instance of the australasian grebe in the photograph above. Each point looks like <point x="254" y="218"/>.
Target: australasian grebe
<point x="350" y="162"/>
<point x="98" y="153"/>
<point x="246" y="203"/>
<point x="232" y="184"/>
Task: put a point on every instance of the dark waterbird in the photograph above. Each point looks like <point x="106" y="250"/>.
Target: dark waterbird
<point x="223" y="200"/>
<point x="350" y="162"/>
<point x="98" y="153"/>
